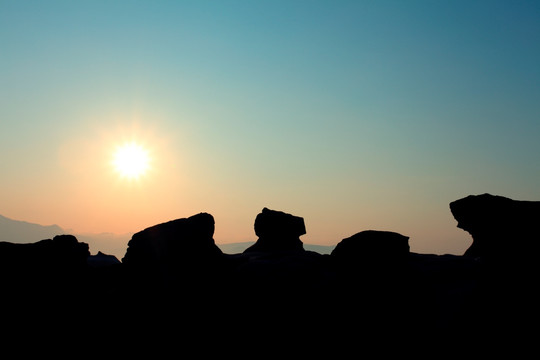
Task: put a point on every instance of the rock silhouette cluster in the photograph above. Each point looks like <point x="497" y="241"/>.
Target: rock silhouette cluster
<point x="174" y="272"/>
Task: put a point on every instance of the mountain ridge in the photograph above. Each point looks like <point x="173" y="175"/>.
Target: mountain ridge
<point x="23" y="231"/>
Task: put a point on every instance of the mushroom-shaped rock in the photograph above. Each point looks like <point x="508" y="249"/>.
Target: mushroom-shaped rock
<point x="500" y="227"/>
<point x="277" y="231"/>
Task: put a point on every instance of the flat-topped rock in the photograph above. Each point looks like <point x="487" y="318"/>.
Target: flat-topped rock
<point x="372" y="244"/>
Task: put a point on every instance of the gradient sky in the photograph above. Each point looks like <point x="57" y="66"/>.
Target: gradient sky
<point x="353" y="114"/>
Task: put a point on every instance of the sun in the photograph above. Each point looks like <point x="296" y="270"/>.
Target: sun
<point x="131" y="160"/>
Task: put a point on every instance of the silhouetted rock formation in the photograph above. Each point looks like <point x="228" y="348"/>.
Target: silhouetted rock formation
<point x="63" y="252"/>
<point x="101" y="260"/>
<point x="174" y="257"/>
<point x="500" y="227"/>
<point x="372" y="245"/>
<point x="505" y="244"/>
<point x="277" y="231"/>
<point x="173" y="273"/>
<point x="47" y="271"/>
<point x="182" y="240"/>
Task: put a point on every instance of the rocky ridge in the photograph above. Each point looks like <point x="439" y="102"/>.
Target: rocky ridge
<point x="175" y="272"/>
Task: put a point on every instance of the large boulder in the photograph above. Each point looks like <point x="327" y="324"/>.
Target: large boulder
<point x="175" y="243"/>
<point x="371" y="273"/>
<point x="371" y="245"/>
<point x="506" y="242"/>
<point x="500" y="227"/>
<point x="101" y="260"/>
<point x="277" y="231"/>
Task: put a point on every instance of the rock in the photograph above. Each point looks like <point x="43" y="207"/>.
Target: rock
<point x="277" y="231"/>
<point x="287" y="272"/>
<point x="176" y="257"/>
<point x="173" y="273"/>
<point x="62" y="252"/>
<point x="50" y="272"/>
<point x="371" y="273"/>
<point x="372" y="269"/>
<point x="500" y="227"/>
<point x="101" y="260"/>
<point x="177" y="242"/>
<point x="506" y="243"/>
<point x="372" y="245"/>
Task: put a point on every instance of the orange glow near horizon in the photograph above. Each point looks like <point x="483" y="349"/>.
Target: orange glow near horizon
<point x="120" y="175"/>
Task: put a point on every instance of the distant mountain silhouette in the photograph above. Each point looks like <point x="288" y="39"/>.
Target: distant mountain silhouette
<point x="25" y="232"/>
<point x="238" y="247"/>
<point x="17" y="231"/>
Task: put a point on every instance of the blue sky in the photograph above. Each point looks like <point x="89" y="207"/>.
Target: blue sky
<point x="353" y="114"/>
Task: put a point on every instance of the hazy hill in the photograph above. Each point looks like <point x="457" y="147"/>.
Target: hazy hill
<point x="25" y="232"/>
<point x="236" y="248"/>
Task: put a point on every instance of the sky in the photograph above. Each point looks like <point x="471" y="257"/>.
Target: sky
<point x="354" y="115"/>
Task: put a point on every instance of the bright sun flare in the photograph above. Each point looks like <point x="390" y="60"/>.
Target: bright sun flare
<point x="131" y="160"/>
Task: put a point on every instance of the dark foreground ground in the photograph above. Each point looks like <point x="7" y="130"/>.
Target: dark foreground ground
<point x="174" y="289"/>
